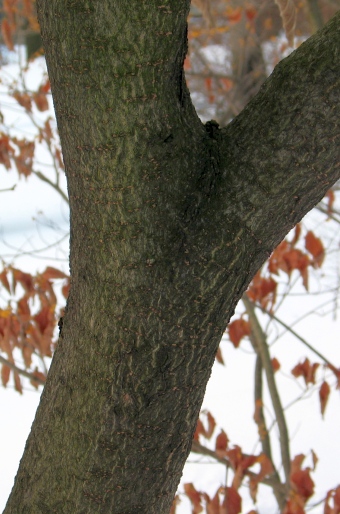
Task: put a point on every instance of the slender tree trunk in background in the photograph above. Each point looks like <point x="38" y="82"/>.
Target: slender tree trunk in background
<point x="170" y="219"/>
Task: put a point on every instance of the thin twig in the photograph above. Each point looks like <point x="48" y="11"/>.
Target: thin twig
<point x="22" y="372"/>
<point x="203" y="450"/>
<point x="322" y="357"/>
<point x="52" y="184"/>
<point x="8" y="189"/>
<point x="263" y="351"/>
<point x="260" y="420"/>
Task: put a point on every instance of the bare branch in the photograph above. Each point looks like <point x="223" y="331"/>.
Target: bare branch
<point x="289" y="329"/>
<point x="21" y="371"/>
<point x="278" y="488"/>
<point x="262" y="349"/>
<point x="52" y="184"/>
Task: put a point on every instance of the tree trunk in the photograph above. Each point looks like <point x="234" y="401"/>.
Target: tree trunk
<point x="170" y="219"/>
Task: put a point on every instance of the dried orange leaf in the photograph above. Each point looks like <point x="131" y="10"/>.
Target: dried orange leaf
<point x="331" y="199"/>
<point x="302" y="483"/>
<point x="211" y="425"/>
<point x="17" y="382"/>
<point x="221" y="442"/>
<point x="200" y="430"/>
<point x="232" y="502"/>
<point x="175" y="502"/>
<point x="41" y="101"/>
<point x="315" y="459"/>
<point x="194" y="496"/>
<point x="275" y="364"/>
<point x="4" y="280"/>
<point x="52" y="273"/>
<point x="5" y="373"/>
<point x="314" y="246"/>
<point x="6" y="32"/>
<point x="219" y="356"/>
<point x="306" y="370"/>
<point x="24" y="100"/>
<point x="237" y="330"/>
<point x="324" y="392"/>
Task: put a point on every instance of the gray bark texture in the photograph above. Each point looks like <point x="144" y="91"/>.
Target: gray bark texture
<point x="170" y="220"/>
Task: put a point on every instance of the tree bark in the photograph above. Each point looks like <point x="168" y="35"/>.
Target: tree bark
<point x="170" y="219"/>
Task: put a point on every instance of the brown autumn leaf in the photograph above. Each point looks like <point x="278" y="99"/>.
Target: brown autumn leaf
<point x="24" y="311"/>
<point x="53" y="273"/>
<point x="266" y="466"/>
<point x="221" y="443"/>
<point x="199" y="430"/>
<point x="302" y="486"/>
<point x="237" y="330"/>
<point x="44" y="318"/>
<point x="24" y="279"/>
<point x="315" y="459"/>
<point x="294" y="505"/>
<point x="315" y="247"/>
<point x="253" y="487"/>
<point x="5" y="374"/>
<point x="212" y="504"/>
<point x="6" y="32"/>
<point x="175" y="502"/>
<point x="324" y="392"/>
<point x="241" y="463"/>
<point x="263" y="290"/>
<point x="6" y="151"/>
<point x="211" y="425"/>
<point x="297" y="260"/>
<point x="276" y="261"/>
<point x="59" y="158"/>
<point x="65" y="290"/>
<point x="17" y="382"/>
<point x="4" y="280"/>
<point x="297" y="234"/>
<point x="40" y="100"/>
<point x="24" y="161"/>
<point x="286" y="258"/>
<point x="194" y="496"/>
<point x="336" y="372"/>
<point x="45" y="87"/>
<point x="275" y="364"/>
<point x="24" y="100"/>
<point x="235" y="456"/>
<point x="306" y="370"/>
<point x="232" y="502"/>
<point x="46" y="132"/>
<point x="219" y="356"/>
<point x="39" y="375"/>
<point x="330" y="195"/>
<point x="27" y="351"/>
<point x="302" y="483"/>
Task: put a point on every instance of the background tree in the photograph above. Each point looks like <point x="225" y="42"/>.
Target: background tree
<point x="287" y="258"/>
